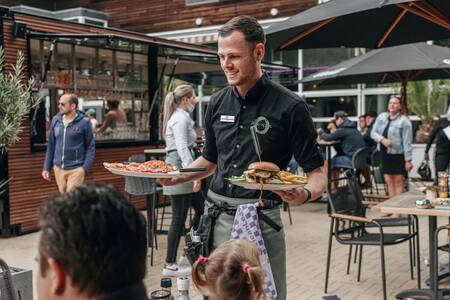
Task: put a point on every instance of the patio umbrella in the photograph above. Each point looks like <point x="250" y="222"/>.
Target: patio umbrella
<point x="404" y="63"/>
<point x="363" y="23"/>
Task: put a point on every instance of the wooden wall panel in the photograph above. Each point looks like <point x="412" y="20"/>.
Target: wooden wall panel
<point x="27" y="189"/>
<point x="155" y="15"/>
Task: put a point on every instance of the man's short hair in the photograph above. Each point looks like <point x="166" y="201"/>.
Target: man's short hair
<point x="362" y="116"/>
<point x="248" y="25"/>
<point x="340" y="114"/>
<point x="98" y="237"/>
<point x="72" y="99"/>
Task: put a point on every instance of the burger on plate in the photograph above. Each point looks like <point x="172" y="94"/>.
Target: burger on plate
<point x="264" y="171"/>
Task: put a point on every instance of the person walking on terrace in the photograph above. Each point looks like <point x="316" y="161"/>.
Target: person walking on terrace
<point x="440" y="132"/>
<point x="180" y="136"/>
<point x="71" y="145"/>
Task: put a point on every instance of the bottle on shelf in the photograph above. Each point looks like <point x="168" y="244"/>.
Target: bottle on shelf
<point x="443" y="184"/>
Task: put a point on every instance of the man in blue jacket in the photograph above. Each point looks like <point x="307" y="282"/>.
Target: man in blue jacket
<point x="349" y="138"/>
<point x="71" y="145"/>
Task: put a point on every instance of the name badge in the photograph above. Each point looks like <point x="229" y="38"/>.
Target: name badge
<point x="227" y="119"/>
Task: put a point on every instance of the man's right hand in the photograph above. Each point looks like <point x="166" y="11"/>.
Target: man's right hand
<point x="46" y="175"/>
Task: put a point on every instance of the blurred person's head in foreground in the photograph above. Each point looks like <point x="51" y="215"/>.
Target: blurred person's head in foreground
<point x="92" y="245"/>
<point x="232" y="272"/>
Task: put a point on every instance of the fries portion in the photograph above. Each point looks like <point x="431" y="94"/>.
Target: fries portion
<point x="289" y="178"/>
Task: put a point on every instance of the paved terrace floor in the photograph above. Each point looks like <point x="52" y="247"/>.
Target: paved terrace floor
<point x="306" y="255"/>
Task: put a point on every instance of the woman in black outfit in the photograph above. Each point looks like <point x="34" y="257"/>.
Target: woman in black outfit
<point x="442" y="154"/>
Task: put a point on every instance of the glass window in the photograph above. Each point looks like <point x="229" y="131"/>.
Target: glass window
<point x="376" y="103"/>
<point x="112" y="85"/>
<point x="322" y="107"/>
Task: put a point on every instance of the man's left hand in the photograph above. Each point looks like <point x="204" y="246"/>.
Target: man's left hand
<point x="296" y="196"/>
<point x="408" y="166"/>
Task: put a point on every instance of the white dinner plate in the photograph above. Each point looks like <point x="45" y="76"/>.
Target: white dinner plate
<point x="266" y="186"/>
<point x="172" y="174"/>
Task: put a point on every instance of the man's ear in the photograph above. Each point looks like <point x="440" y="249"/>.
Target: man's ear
<point x="260" y="51"/>
<point x="57" y="276"/>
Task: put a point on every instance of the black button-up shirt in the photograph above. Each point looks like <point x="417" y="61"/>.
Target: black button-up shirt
<point x="283" y="124"/>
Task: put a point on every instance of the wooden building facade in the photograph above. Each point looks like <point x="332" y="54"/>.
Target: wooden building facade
<point x="23" y="162"/>
<point x="155" y="16"/>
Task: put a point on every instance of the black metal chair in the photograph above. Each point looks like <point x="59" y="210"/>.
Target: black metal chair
<point x="377" y="176"/>
<point x="349" y="227"/>
<point x="7" y="291"/>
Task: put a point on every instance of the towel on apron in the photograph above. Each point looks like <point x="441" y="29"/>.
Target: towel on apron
<point x="246" y="226"/>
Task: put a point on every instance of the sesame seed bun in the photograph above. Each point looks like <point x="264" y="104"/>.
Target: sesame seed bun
<point x="264" y="165"/>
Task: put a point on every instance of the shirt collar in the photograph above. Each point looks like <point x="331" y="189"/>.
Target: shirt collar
<point x="256" y="92"/>
<point x="183" y="112"/>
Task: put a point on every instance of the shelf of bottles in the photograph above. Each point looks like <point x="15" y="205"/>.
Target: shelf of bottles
<point x="99" y="77"/>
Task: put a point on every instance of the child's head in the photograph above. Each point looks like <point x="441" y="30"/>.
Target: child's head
<point x="233" y="271"/>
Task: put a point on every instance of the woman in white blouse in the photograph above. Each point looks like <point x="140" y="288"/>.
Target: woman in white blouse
<point x="180" y="138"/>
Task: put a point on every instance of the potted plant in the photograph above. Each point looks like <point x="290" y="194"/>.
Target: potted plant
<point x="426" y="99"/>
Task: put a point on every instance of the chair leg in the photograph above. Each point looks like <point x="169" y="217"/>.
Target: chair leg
<point x="349" y="258"/>
<point x="359" y="262"/>
<point x="410" y="255"/>
<point x="330" y="240"/>
<point x="155" y="233"/>
<point x="383" y="270"/>
<point x="356" y="254"/>
<point x="162" y="217"/>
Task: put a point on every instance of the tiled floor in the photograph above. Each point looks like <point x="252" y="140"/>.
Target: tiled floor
<point x="306" y="253"/>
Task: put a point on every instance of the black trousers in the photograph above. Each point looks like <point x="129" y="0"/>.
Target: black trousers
<point x="180" y="208"/>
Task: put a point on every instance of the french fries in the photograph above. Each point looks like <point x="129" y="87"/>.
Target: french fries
<point x="289" y="178"/>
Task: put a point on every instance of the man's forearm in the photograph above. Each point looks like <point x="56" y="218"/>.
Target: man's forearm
<point x="200" y="162"/>
<point x="317" y="182"/>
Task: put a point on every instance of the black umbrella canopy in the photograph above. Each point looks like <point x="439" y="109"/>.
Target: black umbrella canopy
<point x="394" y="64"/>
<point x="363" y="23"/>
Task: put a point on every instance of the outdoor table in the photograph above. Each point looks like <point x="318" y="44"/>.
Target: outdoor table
<point x="405" y="203"/>
<point x="152" y="200"/>
<point x="328" y="145"/>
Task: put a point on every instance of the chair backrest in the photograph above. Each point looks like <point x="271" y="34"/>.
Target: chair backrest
<point x="7" y="291"/>
<point x="137" y="158"/>
<point x="375" y="158"/>
<point x="360" y="157"/>
<point x="346" y="198"/>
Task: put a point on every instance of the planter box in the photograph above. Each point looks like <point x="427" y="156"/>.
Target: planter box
<point x="22" y="281"/>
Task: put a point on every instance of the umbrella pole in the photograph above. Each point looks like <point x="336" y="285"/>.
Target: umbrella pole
<point x="404" y="94"/>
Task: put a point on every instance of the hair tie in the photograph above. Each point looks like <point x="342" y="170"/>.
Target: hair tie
<point x="202" y="260"/>
<point x="245" y="268"/>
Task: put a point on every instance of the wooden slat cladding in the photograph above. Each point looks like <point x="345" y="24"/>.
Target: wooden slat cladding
<point x="27" y="190"/>
<point x="155" y="16"/>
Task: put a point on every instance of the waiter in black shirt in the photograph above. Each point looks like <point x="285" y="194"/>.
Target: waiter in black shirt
<point x="284" y="126"/>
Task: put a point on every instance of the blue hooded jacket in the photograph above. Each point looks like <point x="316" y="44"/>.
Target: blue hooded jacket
<point x="348" y="135"/>
<point x="71" y="147"/>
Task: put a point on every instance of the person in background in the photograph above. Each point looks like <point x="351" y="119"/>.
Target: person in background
<point x="370" y="120"/>
<point x="115" y="117"/>
<point x="349" y="138"/>
<point x="393" y="133"/>
<point x="71" y="145"/>
<point x="180" y="136"/>
<point x="92" y="245"/>
<point x="232" y="272"/>
<point x="362" y="124"/>
<point x="90" y="113"/>
<point x="440" y="132"/>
